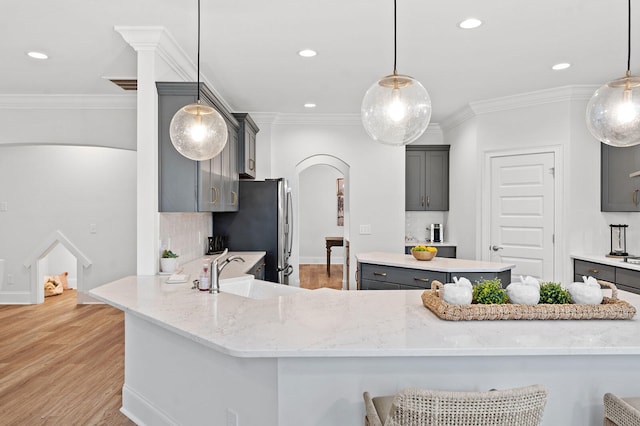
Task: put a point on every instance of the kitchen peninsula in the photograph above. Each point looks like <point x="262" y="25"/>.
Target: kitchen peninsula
<point x="306" y="358"/>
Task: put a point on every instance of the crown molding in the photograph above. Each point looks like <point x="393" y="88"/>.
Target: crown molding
<point x="124" y="101"/>
<point x="157" y="39"/>
<point x="528" y="99"/>
<point x="521" y="100"/>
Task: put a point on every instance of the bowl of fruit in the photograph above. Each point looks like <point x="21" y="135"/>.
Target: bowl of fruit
<point x="424" y="252"/>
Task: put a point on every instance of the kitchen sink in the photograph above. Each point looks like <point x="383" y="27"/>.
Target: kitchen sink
<point x="257" y="289"/>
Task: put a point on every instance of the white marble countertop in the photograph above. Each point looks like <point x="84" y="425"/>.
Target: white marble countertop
<point x="438" y="264"/>
<point x="333" y="323"/>
<point x="611" y="261"/>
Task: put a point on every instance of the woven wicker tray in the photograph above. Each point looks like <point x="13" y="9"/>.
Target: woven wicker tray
<point x="611" y="308"/>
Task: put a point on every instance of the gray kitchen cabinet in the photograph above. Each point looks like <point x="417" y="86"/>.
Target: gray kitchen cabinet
<point x="618" y="191"/>
<point x="382" y="277"/>
<point x="186" y="185"/>
<point x="427" y="178"/>
<point x="624" y="278"/>
<point x="443" y="251"/>
<point x="246" y="145"/>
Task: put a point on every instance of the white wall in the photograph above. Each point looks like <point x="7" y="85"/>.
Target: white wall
<point x="318" y="214"/>
<point x="559" y="123"/>
<point x="376" y="181"/>
<point x="67" y="188"/>
<point x="464" y="203"/>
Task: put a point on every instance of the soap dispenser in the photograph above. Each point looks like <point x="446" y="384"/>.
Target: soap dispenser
<point x="204" y="284"/>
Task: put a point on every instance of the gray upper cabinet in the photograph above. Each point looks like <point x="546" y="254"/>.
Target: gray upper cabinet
<point x="427" y="177"/>
<point x="186" y="185"/>
<point x="246" y="145"/>
<point x="618" y="191"/>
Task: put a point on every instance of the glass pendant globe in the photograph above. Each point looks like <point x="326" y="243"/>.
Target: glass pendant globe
<point x="396" y="110"/>
<point x="198" y="132"/>
<point x="613" y="112"/>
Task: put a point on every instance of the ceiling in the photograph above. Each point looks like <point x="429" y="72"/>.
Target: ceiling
<point x="249" y="47"/>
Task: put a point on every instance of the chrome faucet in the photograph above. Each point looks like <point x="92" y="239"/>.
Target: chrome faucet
<point x="216" y="268"/>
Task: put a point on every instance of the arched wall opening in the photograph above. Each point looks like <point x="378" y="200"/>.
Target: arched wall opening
<point x="303" y="168"/>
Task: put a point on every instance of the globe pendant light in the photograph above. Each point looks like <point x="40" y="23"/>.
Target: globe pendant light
<point x="613" y="113"/>
<point x="396" y="109"/>
<point x="198" y="131"/>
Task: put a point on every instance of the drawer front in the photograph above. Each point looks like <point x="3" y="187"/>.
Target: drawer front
<point x="376" y="285"/>
<point x="403" y="276"/>
<point x="629" y="279"/>
<point x="630" y="289"/>
<point x="596" y="270"/>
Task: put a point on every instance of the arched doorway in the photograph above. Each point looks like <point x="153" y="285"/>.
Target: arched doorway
<point x="308" y="225"/>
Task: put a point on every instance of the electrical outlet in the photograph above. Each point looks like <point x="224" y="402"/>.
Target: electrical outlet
<point x="365" y="229"/>
<point x="10" y="279"/>
<point x="232" y="417"/>
<point x="4" y="206"/>
<point x="93" y="228"/>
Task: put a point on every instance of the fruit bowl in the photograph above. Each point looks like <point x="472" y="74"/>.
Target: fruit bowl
<point x="424" y="254"/>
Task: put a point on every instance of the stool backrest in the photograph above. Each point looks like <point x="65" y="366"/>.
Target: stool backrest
<point x="417" y="407"/>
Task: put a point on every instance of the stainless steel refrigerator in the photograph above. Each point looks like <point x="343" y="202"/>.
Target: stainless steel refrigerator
<point x="264" y="222"/>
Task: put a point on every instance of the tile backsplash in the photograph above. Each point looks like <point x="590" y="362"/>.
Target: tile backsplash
<point x="416" y="224"/>
<point x="185" y="234"/>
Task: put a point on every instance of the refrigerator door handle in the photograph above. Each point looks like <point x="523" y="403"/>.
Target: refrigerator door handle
<point x="289" y="226"/>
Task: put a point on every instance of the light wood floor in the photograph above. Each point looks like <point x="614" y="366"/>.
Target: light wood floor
<point x="61" y="363"/>
<point x="315" y="276"/>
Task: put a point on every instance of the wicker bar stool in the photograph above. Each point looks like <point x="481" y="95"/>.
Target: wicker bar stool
<point x="621" y="411"/>
<point x="417" y="407"/>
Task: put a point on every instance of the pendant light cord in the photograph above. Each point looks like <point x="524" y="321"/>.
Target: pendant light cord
<point x="395" y="38"/>
<point x="629" y="40"/>
<point x="198" y="60"/>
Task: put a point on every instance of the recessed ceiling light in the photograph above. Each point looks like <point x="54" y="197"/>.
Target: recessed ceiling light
<point x="37" y="55"/>
<point x="561" y="66"/>
<point x="309" y="105"/>
<point x="470" y="23"/>
<point x="307" y="53"/>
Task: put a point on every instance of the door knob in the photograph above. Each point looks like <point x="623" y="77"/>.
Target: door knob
<point x="496" y="248"/>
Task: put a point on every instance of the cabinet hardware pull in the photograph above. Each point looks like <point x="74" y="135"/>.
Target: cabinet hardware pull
<point x="252" y="164"/>
<point x="428" y="200"/>
<point x="424" y="280"/>
<point x="422" y="201"/>
<point x="593" y="271"/>
<point x="380" y="274"/>
<point x="215" y="194"/>
<point x="234" y="198"/>
<point x="634" y="197"/>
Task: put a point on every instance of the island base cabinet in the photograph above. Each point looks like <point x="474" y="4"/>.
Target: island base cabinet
<point x="382" y="277"/>
<point x="172" y="380"/>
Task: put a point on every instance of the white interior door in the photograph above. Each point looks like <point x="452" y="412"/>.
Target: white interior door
<point x="522" y="213"/>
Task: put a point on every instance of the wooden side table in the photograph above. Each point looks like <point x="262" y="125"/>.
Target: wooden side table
<point x="332" y="242"/>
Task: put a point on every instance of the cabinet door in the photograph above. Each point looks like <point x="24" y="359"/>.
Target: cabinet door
<point x="415" y="181"/>
<point x="437" y="180"/>
<point x="177" y="175"/>
<point x="619" y="192"/>
<point x="427" y="177"/>
<point x="246" y="146"/>
<point x="231" y="202"/>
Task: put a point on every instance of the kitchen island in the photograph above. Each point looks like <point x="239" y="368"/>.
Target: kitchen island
<point x="395" y="271"/>
<point x="305" y="359"/>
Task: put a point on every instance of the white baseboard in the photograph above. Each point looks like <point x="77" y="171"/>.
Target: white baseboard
<point x="15" y="298"/>
<point x="311" y="260"/>
<point x="140" y="411"/>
